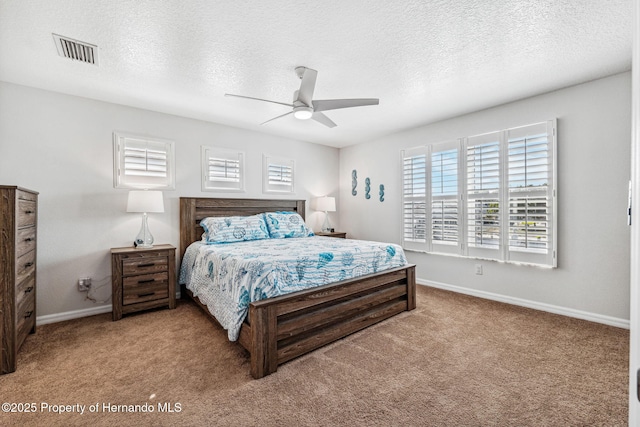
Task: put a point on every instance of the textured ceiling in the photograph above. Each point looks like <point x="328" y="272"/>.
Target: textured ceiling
<point x="425" y="60"/>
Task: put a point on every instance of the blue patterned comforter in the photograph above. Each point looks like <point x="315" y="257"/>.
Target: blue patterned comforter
<point x="227" y="277"/>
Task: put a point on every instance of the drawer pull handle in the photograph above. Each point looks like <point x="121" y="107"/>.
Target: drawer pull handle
<point x="149" y="264"/>
<point x="29" y="212"/>
<point x="28" y="314"/>
<point x="148" y="294"/>
<point x="29" y="264"/>
<point x="29" y="289"/>
<point x="146" y="281"/>
<point x="28" y="239"/>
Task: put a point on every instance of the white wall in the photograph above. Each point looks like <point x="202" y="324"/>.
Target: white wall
<point x="593" y="167"/>
<point x="61" y="146"/>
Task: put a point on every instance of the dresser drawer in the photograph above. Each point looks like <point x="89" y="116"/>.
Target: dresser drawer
<point x="26" y="318"/>
<point x="143" y="288"/>
<point x="25" y="289"/>
<point x="25" y="240"/>
<point x="144" y="265"/>
<point x="25" y="265"/>
<point x="27" y="213"/>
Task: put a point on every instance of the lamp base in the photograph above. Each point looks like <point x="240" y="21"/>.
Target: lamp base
<point x="144" y="239"/>
<point x="137" y="246"/>
<point x="326" y="226"/>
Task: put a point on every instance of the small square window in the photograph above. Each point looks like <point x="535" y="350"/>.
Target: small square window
<point x="222" y="170"/>
<point x="278" y="175"/>
<point x="143" y="162"/>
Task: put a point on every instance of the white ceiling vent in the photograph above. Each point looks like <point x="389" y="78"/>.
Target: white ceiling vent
<point x="76" y="50"/>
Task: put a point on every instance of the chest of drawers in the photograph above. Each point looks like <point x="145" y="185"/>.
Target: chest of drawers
<point x="142" y="279"/>
<point x="18" y="238"/>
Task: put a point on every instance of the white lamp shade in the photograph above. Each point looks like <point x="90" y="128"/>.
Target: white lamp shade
<point x="327" y="204"/>
<point x="145" y="201"/>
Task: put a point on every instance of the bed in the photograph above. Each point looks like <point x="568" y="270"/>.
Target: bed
<point x="281" y="328"/>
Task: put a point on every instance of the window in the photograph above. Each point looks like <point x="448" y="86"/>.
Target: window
<point x="222" y="170"/>
<point x="142" y="162"/>
<point x="491" y="196"/>
<point x="483" y="196"/>
<point x="278" y="174"/>
<point x="445" y="207"/>
<point x="414" y="200"/>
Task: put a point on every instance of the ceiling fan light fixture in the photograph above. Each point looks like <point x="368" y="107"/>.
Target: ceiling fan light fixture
<point x="302" y="113"/>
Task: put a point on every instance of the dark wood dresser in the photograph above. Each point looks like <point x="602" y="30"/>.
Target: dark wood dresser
<point x="18" y="233"/>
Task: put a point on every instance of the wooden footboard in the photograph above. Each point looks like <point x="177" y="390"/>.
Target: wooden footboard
<point x="282" y="328"/>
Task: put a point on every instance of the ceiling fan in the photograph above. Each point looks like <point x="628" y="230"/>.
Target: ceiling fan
<point x="305" y="107"/>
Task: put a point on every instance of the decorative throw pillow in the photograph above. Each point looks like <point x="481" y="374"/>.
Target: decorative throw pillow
<point x="234" y="229"/>
<point x="286" y="224"/>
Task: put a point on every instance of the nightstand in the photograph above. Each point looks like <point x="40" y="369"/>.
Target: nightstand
<point x="142" y="279"/>
<point x="338" y="234"/>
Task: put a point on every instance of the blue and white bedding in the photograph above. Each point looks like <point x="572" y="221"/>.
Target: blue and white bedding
<point x="228" y="277"/>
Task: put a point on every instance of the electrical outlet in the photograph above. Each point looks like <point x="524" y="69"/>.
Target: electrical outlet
<point x="84" y="283"/>
<point x="479" y="269"/>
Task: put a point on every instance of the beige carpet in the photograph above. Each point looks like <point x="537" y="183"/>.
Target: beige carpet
<point x="455" y="360"/>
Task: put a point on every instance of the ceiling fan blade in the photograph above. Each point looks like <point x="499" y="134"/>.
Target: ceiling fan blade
<point x="334" y="104"/>
<point x="270" y="120"/>
<point x="307" y="86"/>
<point x="321" y="118"/>
<point x="258" y="99"/>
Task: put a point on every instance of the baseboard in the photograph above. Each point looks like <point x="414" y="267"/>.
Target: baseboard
<point x="578" y="314"/>
<point x="75" y="314"/>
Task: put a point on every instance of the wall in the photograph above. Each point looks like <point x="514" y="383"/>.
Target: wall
<point x="62" y="147"/>
<point x="592" y="278"/>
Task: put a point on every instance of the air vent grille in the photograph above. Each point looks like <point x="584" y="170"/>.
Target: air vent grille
<point x="76" y="50"/>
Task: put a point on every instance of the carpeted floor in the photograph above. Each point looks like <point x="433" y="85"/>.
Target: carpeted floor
<point x="455" y="360"/>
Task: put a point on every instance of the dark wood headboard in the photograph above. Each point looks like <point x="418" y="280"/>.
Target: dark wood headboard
<point x="194" y="209"/>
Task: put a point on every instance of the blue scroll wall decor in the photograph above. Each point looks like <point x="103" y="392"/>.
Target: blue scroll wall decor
<point x="354" y="182"/>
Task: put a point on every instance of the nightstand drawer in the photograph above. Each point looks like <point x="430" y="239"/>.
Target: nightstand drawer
<point x="144" y="265"/>
<point x="143" y="288"/>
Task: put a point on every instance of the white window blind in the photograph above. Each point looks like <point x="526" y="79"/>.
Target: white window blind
<point x="278" y="175"/>
<point x="445" y="206"/>
<point x="414" y="203"/>
<point x="530" y="192"/>
<point x="490" y="196"/>
<point x="483" y="195"/>
<point x="142" y="162"/>
<point x="222" y="170"/>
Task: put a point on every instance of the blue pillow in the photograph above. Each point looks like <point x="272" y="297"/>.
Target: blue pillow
<point x="286" y="224"/>
<point x="234" y="229"/>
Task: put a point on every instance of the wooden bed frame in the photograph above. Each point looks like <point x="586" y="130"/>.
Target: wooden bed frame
<point x="282" y="328"/>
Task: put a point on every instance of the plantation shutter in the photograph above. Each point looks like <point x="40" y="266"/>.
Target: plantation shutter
<point x="414" y="198"/>
<point x="278" y="175"/>
<point x="142" y="162"/>
<point x="483" y="182"/>
<point x="490" y="196"/>
<point x="445" y="206"/>
<point x="531" y="193"/>
<point x="222" y="169"/>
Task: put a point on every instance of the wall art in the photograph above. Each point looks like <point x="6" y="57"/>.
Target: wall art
<point x="354" y="182"/>
<point x="367" y="188"/>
